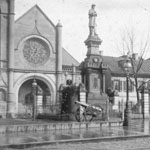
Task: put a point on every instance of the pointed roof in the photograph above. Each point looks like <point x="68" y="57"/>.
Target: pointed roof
<point x="68" y="60"/>
<point x="115" y="67"/>
<point x="38" y="8"/>
<point x="146" y="66"/>
<point x="113" y="64"/>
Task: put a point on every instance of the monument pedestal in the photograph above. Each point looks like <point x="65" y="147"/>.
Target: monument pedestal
<point x="97" y="98"/>
<point x="93" y="73"/>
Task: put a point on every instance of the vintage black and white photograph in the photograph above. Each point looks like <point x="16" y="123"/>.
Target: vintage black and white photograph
<point x="75" y="74"/>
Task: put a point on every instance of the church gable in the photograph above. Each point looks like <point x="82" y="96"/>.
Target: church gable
<point x="34" y="30"/>
<point x="36" y="22"/>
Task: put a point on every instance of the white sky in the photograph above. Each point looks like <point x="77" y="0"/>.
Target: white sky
<point x="114" y="16"/>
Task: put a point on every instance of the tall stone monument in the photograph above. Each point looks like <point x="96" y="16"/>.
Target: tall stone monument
<point x="92" y="67"/>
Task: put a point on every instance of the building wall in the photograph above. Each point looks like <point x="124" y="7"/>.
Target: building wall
<point x="3" y="56"/>
<point x="3" y="29"/>
<point x="119" y="84"/>
<point x="4" y="38"/>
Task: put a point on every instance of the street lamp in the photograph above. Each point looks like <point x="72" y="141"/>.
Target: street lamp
<point x="127" y="113"/>
<point x="34" y="89"/>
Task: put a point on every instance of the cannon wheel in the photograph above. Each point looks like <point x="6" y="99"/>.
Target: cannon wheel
<point x="88" y="114"/>
<point x="79" y="115"/>
<point x="92" y="114"/>
<point x="98" y="115"/>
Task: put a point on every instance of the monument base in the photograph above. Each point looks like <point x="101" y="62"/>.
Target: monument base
<point x="97" y="98"/>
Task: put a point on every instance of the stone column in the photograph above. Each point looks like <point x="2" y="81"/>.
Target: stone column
<point x="73" y="73"/>
<point x="107" y="109"/>
<point x="142" y="101"/>
<point x="58" y="59"/>
<point x="146" y="104"/>
<point x="39" y="100"/>
<point x="104" y="68"/>
<point x="103" y="82"/>
<point x="82" y="93"/>
<point x="146" y="126"/>
<point x="82" y="96"/>
<point x="11" y="104"/>
<point x="59" y="54"/>
<point x="89" y="78"/>
<point x="0" y="41"/>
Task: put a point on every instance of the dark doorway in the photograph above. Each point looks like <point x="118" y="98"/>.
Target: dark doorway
<point x="25" y="97"/>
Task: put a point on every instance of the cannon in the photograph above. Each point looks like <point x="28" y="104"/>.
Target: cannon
<point x="87" y="112"/>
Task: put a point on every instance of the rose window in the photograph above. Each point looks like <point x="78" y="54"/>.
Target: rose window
<point x="36" y="51"/>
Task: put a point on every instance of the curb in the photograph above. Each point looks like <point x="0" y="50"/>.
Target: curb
<point x="104" y="139"/>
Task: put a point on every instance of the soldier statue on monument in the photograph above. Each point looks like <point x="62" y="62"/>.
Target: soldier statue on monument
<point x="92" y="20"/>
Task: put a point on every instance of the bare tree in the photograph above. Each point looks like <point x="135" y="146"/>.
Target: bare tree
<point x="132" y="44"/>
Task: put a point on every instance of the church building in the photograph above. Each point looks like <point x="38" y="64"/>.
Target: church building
<point x="31" y="51"/>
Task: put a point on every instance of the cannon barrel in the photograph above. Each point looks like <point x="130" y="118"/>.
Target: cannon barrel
<point x="82" y="104"/>
<point x="96" y="108"/>
<point x="87" y="105"/>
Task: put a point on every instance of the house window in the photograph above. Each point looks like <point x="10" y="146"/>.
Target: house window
<point x="148" y="84"/>
<point x="117" y="85"/>
<point x="131" y="86"/>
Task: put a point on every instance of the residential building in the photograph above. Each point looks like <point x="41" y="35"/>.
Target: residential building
<point x="116" y="79"/>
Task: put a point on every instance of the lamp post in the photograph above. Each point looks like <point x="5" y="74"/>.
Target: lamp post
<point x="127" y="112"/>
<point x="34" y="89"/>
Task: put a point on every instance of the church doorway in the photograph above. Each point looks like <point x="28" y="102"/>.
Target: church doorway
<point x="26" y="100"/>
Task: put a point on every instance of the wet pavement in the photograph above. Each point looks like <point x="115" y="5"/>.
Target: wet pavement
<point x="138" y="128"/>
<point x="41" y="136"/>
<point x="128" y="144"/>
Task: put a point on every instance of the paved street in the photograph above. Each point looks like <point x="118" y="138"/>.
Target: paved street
<point x="134" y="144"/>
